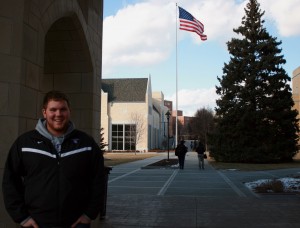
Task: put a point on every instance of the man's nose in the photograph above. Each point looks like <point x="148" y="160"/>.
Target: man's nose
<point x="58" y="112"/>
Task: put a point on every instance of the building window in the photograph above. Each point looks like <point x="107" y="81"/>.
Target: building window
<point x="117" y="137"/>
<point x="130" y="136"/>
<point x="123" y="137"/>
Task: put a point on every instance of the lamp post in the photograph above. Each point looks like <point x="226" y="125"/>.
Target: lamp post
<point x="168" y="114"/>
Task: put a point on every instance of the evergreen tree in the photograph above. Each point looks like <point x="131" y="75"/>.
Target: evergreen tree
<point x="255" y="120"/>
<point x="102" y="144"/>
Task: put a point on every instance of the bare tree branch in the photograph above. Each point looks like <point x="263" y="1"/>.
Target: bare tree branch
<point x="138" y="123"/>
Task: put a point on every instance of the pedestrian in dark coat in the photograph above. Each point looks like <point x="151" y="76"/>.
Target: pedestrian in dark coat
<point x="200" y="150"/>
<point x="181" y="151"/>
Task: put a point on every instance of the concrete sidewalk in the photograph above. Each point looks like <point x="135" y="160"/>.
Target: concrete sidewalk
<point x="192" y="197"/>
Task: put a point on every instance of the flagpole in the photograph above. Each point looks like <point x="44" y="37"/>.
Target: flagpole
<point x="176" y="128"/>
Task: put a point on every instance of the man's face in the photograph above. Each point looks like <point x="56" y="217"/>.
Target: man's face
<point x="57" y="115"/>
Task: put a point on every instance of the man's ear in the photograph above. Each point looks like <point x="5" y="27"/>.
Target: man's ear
<point x="44" y="112"/>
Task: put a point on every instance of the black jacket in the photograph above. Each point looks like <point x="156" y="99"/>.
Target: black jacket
<point x="180" y="150"/>
<point x="53" y="188"/>
<point x="200" y="148"/>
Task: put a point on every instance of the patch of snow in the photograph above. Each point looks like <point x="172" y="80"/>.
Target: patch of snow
<point x="290" y="184"/>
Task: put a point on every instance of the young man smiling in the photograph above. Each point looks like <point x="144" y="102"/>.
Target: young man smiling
<point x="54" y="174"/>
<point x="57" y="116"/>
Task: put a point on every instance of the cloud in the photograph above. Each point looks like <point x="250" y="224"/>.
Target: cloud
<point x="144" y="34"/>
<point x="192" y="100"/>
<point x="138" y="35"/>
<point x="219" y="17"/>
<point x="284" y="14"/>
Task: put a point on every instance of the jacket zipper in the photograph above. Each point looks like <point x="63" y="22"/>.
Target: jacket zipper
<point x="58" y="187"/>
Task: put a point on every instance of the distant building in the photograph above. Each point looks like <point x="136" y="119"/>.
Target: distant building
<point x="126" y="104"/>
<point x="183" y="124"/>
<point x="296" y="95"/>
<point x="296" y="89"/>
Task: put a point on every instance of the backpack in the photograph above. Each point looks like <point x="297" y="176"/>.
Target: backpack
<point x="180" y="150"/>
<point x="177" y="151"/>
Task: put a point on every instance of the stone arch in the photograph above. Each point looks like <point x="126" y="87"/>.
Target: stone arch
<point x="76" y="67"/>
<point x="52" y="11"/>
<point x="68" y="67"/>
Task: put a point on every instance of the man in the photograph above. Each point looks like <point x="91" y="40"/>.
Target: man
<point x="181" y="151"/>
<point x="54" y="175"/>
<point x="200" y="150"/>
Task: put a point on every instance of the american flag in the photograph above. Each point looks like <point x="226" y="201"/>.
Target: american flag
<point x="191" y="24"/>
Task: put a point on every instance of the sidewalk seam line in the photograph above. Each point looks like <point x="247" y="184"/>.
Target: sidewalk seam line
<point x="124" y="175"/>
<point x="232" y="185"/>
<point x="166" y="185"/>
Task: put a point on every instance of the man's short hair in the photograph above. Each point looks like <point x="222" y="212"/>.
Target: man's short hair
<point x="56" y="96"/>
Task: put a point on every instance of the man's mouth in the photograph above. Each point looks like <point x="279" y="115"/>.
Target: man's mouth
<point x="59" y="121"/>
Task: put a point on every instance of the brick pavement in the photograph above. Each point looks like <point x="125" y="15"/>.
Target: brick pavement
<point x="191" y="197"/>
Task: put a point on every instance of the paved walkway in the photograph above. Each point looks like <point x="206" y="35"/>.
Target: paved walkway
<point x="191" y="197"/>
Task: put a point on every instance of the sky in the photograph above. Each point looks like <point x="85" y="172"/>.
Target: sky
<point x="140" y="39"/>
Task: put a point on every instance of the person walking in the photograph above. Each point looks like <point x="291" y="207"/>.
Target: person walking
<point x="54" y="174"/>
<point x="200" y="150"/>
<point x="192" y="146"/>
<point x="181" y="151"/>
